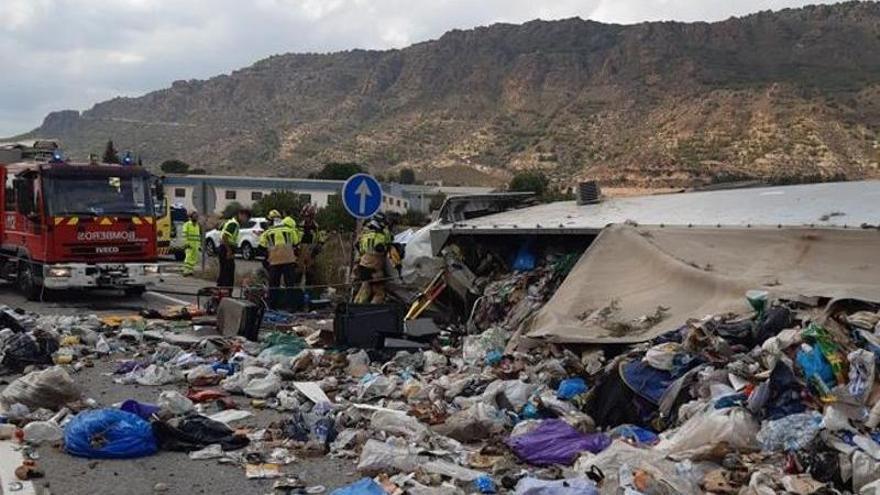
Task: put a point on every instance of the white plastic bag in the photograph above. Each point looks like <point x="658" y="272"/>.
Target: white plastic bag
<point x="701" y="433"/>
<point x="378" y="457"/>
<point x="263" y="388"/>
<point x="662" y="356"/>
<point x="398" y="423"/>
<point x="50" y="388"/>
<point x="174" y="402"/>
<point x="38" y="432"/>
<point x="514" y="392"/>
<point x="158" y="375"/>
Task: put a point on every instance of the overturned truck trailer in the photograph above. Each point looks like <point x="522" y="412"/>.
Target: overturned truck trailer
<point x="651" y="262"/>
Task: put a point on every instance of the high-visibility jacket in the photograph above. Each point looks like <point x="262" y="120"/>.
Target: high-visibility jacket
<point x="229" y="232"/>
<point x="192" y="234"/>
<point x="279" y="241"/>
<point x="372" y="242"/>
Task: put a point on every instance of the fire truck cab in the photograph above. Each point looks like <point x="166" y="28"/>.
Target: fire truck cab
<point x="75" y="226"/>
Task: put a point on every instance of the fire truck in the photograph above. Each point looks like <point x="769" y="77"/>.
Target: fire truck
<point x="74" y="225"/>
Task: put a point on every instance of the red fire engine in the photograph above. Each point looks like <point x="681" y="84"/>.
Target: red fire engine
<point x="74" y="226"/>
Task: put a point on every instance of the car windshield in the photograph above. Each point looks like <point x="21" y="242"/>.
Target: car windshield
<point x="94" y="195"/>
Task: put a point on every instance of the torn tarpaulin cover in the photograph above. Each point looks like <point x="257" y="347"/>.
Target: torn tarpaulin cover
<point x="680" y="273"/>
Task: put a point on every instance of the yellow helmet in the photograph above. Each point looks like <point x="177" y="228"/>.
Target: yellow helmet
<point x="274" y="214"/>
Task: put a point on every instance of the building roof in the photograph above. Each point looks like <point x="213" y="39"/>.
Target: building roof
<point x="836" y="204"/>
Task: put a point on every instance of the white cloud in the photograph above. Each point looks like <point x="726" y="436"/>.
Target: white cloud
<point x="59" y="54"/>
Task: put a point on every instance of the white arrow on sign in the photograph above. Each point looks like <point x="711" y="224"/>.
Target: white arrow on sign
<point x="363" y="191"/>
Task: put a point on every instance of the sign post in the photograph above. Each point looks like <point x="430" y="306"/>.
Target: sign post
<point x="362" y="198"/>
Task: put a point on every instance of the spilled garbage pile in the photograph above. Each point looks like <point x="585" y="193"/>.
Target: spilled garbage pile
<point x="782" y="398"/>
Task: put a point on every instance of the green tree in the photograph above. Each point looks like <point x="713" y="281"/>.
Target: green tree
<point x="407" y="176"/>
<point x="339" y="170"/>
<point x="110" y="153"/>
<point x="232" y="209"/>
<point x="198" y="171"/>
<point x="174" y="167"/>
<point x="287" y="202"/>
<point x="535" y="182"/>
<point x="334" y="217"/>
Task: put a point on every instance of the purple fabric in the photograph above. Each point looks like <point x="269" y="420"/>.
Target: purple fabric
<point x="555" y="442"/>
<point x="139" y="408"/>
<point x="126" y="367"/>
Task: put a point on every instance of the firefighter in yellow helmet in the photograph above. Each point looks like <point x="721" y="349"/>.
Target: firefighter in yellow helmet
<point x="192" y="238"/>
<point x="372" y="246"/>
<point x="280" y="241"/>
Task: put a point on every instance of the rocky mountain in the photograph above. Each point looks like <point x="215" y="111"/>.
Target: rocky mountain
<point x="787" y="96"/>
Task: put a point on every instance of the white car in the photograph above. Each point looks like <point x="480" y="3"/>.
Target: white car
<point x="248" y="238"/>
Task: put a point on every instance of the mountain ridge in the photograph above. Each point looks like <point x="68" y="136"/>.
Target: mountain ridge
<point x="785" y="96"/>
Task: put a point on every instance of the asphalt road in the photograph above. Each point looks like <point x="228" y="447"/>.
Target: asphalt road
<point x="69" y="475"/>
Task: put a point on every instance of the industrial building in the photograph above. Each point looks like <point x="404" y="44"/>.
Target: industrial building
<point x="212" y="193"/>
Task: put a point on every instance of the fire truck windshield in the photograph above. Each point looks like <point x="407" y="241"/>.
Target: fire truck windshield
<point x="98" y="195"/>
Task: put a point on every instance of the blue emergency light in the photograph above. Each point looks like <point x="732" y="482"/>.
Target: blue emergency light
<point x="127" y="160"/>
<point x="57" y="157"/>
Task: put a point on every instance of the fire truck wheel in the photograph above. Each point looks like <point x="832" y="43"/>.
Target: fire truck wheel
<point x="247" y="251"/>
<point x="27" y="281"/>
<point x="135" y="291"/>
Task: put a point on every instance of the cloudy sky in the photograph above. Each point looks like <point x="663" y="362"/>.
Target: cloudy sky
<point x="69" y="54"/>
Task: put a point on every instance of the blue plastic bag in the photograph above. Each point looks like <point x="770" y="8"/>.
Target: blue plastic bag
<point x="635" y="434"/>
<point x="525" y="259"/>
<point x="571" y="387"/>
<point x="816" y="369"/>
<point x="109" y="434"/>
<point x="364" y="486"/>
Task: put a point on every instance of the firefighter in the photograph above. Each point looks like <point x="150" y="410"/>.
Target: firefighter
<point x="312" y="240"/>
<point x="372" y="246"/>
<point x="280" y="241"/>
<point x="192" y="238"/>
<point x="228" y="245"/>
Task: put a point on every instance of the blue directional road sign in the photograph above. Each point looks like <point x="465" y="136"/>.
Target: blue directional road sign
<point x="362" y="195"/>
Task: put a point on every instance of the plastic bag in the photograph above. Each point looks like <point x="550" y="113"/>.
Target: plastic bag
<point x="262" y="388"/>
<point x="555" y="442"/>
<point x="358" y="364"/>
<point x="816" y="369"/>
<point x="702" y="432"/>
<point x="378" y="457"/>
<point x="364" y="486"/>
<point x="280" y="347"/>
<point x="37" y="432"/>
<point x="571" y="486"/>
<point x="865" y="470"/>
<point x="662" y="356"/>
<point x="195" y="433"/>
<point x="109" y="434"/>
<point x="478" y="422"/>
<point x="50" y="388"/>
<point x="861" y="374"/>
<point x="635" y="435"/>
<point x="156" y="375"/>
<point x="139" y="409"/>
<point x="202" y="376"/>
<point x="571" y="388"/>
<point x="509" y="394"/>
<point x="174" y="402"/>
<point x="793" y="432"/>
<point x="376" y="386"/>
<point x="398" y="423"/>
<point x="22" y="350"/>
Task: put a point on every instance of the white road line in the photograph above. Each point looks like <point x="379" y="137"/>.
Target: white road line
<point x="173" y="300"/>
